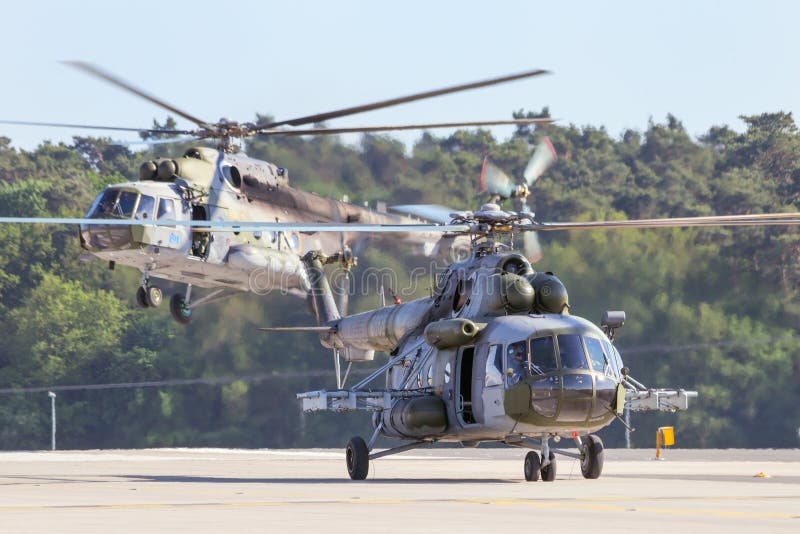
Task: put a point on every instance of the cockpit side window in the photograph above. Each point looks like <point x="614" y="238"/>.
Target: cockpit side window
<point x="570" y="350"/>
<point x="613" y="357"/>
<point x="617" y="358"/>
<point x="145" y="208"/>
<point x="543" y="355"/>
<point x="166" y="209"/>
<point x="596" y="356"/>
<point x="517" y="361"/>
<point x="494" y="366"/>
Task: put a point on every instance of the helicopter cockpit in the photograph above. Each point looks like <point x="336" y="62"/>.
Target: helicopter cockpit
<point x="155" y="202"/>
<point x="572" y="376"/>
<point x="114" y="203"/>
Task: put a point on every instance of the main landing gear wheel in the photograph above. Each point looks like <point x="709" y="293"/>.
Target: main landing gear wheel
<point x="549" y="471"/>
<point x="592" y="457"/>
<point x="532" y="466"/>
<point x="141" y="298"/>
<point x="154" y="296"/>
<point x="357" y="457"/>
<point x="178" y="310"/>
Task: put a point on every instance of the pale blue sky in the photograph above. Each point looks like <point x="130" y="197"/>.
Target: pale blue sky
<point x="615" y="64"/>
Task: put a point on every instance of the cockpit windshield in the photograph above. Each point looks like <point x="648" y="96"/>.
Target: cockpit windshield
<point x="570" y="350"/>
<point x="122" y="204"/>
<point x="543" y="355"/>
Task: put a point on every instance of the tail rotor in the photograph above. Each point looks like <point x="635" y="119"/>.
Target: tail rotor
<point x="502" y="187"/>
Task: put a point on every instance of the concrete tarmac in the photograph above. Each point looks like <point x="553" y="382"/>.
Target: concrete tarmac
<point x="434" y="490"/>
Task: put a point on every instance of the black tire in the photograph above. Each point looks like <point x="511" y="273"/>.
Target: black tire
<point x="549" y="471"/>
<point x="532" y="466"/>
<point x="357" y="458"/>
<point x="141" y="298"/>
<point x="592" y="461"/>
<point x="177" y="308"/>
<point x="154" y="296"/>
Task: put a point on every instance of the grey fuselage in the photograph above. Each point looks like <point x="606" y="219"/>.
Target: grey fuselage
<point x="486" y="358"/>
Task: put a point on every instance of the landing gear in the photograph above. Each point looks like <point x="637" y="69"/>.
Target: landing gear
<point x="357" y="457"/>
<point x="141" y="298"/>
<point x="549" y="471"/>
<point x="149" y="296"/>
<point x="154" y="296"/>
<point x="178" y="309"/>
<point x="532" y="466"/>
<point x="592" y="457"/>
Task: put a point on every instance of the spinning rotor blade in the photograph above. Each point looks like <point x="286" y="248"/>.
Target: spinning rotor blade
<point x="249" y="226"/>
<point x="763" y="219"/>
<point x="495" y="181"/>
<point x="530" y="240"/>
<point x="776" y="219"/>
<point x="366" y="129"/>
<point x="531" y="246"/>
<point x="429" y="212"/>
<point x="155" y="141"/>
<point x="320" y="117"/>
<point x="90" y="127"/>
<point x="544" y="155"/>
<point x="114" y="80"/>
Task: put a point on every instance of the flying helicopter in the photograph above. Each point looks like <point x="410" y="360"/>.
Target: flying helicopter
<point x="224" y="184"/>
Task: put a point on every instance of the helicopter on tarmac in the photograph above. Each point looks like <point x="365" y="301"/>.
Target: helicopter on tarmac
<point x="493" y="355"/>
<point x="223" y="184"/>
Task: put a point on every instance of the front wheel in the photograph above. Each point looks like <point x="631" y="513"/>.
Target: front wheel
<point x="549" y="471"/>
<point x="178" y="310"/>
<point x="532" y="466"/>
<point x="357" y="457"/>
<point x="592" y="458"/>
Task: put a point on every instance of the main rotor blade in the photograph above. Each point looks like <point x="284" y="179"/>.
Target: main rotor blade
<point x="298" y="329"/>
<point x="91" y="127"/>
<point x="319" y="117"/>
<point x="365" y="129"/>
<point x="429" y="212"/>
<point x="763" y="219"/>
<point x="249" y="226"/>
<point x="114" y="80"/>
<point x="150" y="142"/>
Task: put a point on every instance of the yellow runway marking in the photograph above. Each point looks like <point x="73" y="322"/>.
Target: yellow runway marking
<point x="594" y="504"/>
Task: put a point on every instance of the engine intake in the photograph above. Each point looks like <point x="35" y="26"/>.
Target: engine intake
<point x="451" y="332"/>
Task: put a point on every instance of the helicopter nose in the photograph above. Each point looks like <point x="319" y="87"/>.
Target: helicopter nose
<point x="568" y="398"/>
<point x="100" y="237"/>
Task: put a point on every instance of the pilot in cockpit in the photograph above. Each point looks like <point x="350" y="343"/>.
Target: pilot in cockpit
<point x="517" y="361"/>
